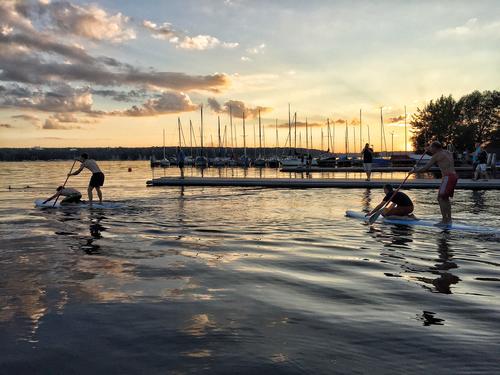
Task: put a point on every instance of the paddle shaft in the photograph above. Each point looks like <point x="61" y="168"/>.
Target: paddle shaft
<point x="377" y="214"/>
<point x="67" y="178"/>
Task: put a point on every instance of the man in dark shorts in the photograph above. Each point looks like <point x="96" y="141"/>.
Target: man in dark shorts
<point x="70" y="195"/>
<point x="367" y="153"/>
<point x="445" y="162"/>
<point x="401" y="204"/>
<point x="97" y="179"/>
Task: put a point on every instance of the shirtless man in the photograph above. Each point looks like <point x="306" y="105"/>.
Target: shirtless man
<point x="444" y="160"/>
<point x="97" y="179"/>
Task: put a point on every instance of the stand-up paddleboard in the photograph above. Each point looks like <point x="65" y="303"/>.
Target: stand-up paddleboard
<point x="424" y="223"/>
<point x="40" y="204"/>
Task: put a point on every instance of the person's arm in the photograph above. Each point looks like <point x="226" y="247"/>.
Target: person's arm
<point x="77" y="171"/>
<point x="380" y="205"/>
<point x="429" y="164"/>
<point x="52" y="197"/>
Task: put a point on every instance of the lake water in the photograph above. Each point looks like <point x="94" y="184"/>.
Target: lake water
<point x="239" y="280"/>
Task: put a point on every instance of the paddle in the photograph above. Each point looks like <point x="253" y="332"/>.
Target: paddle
<point x="375" y="216"/>
<point x="67" y="177"/>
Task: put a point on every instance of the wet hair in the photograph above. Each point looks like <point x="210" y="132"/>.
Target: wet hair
<point x="84" y="155"/>
<point x="59" y="188"/>
<point x="389" y="188"/>
<point x="436" y="144"/>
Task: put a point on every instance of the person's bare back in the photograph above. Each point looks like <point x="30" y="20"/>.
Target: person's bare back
<point x="444" y="160"/>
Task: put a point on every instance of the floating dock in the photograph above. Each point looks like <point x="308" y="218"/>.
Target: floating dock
<point x="306" y="183"/>
<point x="360" y="169"/>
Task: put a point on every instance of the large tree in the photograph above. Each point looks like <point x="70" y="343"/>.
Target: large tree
<point x="436" y="121"/>
<point x="474" y="118"/>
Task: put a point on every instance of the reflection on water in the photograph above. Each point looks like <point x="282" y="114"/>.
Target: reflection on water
<point x="217" y="280"/>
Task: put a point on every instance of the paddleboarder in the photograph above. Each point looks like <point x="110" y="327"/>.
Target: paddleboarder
<point x="181" y="157"/>
<point x="71" y="195"/>
<point x="97" y="179"/>
<point x="444" y="160"/>
<point x="400" y="203"/>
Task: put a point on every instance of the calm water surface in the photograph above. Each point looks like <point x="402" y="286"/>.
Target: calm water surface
<point x="220" y="280"/>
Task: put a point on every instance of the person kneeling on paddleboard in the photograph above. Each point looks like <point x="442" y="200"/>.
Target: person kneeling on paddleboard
<point x="71" y="195"/>
<point x="97" y="179"/>
<point x="401" y="204"/>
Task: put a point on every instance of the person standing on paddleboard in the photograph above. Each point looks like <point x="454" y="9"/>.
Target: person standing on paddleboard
<point x="367" y="153"/>
<point x="97" y="179"/>
<point x="70" y="195"/>
<point x="444" y="160"/>
<point x="401" y="204"/>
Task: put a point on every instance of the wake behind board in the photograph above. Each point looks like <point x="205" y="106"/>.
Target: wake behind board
<point x="39" y="203"/>
<point x="424" y="223"/>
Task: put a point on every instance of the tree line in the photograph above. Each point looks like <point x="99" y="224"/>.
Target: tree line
<point x="474" y="118"/>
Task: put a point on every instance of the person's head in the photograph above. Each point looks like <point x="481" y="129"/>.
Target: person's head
<point x="435" y="147"/>
<point x="84" y="156"/>
<point x="59" y="188"/>
<point x="388" y="188"/>
<point x="367" y="145"/>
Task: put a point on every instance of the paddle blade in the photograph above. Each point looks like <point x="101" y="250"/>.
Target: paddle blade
<point x="374" y="217"/>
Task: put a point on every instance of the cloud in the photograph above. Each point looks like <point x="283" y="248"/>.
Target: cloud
<point x="61" y="98"/>
<point x="392" y="120"/>
<point x="339" y="121"/>
<point x="32" y="119"/>
<point x="237" y="108"/>
<point x="245" y="58"/>
<point x="470" y="30"/>
<point x="257" y="50"/>
<point x="166" y="31"/>
<point x="122" y="96"/>
<point x="52" y="123"/>
<point x="90" y="22"/>
<point x="6" y="126"/>
<point x="168" y="102"/>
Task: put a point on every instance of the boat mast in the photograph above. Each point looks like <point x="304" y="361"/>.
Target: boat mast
<point x="164" y="156"/>
<point x="218" y="133"/>
<point x="201" y="129"/>
<point x="276" y="143"/>
<point x="289" y="132"/>
<point x="406" y="142"/>
<point x="346" y="138"/>
<point x="244" y="138"/>
<point x="179" y="128"/>
<point x="191" y="137"/>
<point x="231" y="125"/>
<point x="295" y="131"/>
<point x="321" y="139"/>
<point x="333" y="138"/>
<point x="328" y="136"/>
<point x="360" y="130"/>
<point x="260" y="137"/>
<point x="307" y="137"/>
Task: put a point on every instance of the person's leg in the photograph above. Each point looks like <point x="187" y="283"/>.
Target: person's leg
<point x="445" y="207"/>
<point x="99" y="193"/>
<point x="89" y="192"/>
<point x="476" y="172"/>
<point x="399" y="211"/>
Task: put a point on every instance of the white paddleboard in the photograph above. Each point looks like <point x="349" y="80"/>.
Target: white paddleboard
<point x="40" y="204"/>
<point x="424" y="223"/>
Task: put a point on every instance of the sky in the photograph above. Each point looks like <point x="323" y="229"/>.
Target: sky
<point x="118" y="73"/>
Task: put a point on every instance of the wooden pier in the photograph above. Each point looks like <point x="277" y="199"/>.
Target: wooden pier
<point x="306" y="183"/>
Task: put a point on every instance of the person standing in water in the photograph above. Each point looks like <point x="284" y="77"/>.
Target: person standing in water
<point x="97" y="179"/>
<point x="444" y="160"/>
<point x="181" y="157"/>
<point x="481" y="167"/>
<point x="367" y="153"/>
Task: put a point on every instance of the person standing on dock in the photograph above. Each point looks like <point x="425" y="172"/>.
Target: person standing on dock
<point x="482" y="160"/>
<point x="97" y="179"/>
<point x="367" y="153"/>
<point x="475" y="155"/>
<point x="180" y="160"/>
<point x="444" y="160"/>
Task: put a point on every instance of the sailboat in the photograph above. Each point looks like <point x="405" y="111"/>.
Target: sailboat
<point x="292" y="160"/>
<point x="219" y="160"/>
<point x="201" y="161"/>
<point x="274" y="161"/>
